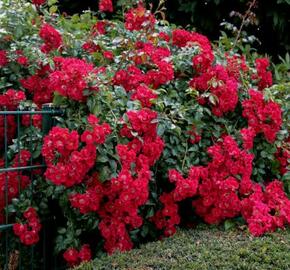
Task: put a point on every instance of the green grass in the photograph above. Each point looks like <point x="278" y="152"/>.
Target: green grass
<point x="204" y="249"/>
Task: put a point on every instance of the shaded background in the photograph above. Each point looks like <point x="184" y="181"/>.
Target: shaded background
<point x="273" y="15"/>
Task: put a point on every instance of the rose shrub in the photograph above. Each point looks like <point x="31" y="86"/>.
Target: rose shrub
<point x="160" y="128"/>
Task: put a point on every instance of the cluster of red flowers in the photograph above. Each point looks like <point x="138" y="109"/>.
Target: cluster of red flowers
<point x="168" y="217"/>
<point x="21" y="58"/>
<point x="222" y="180"/>
<point x="223" y="87"/>
<point x="106" y="5"/>
<point x="160" y="69"/>
<point x="96" y="134"/>
<point x="127" y="193"/>
<point x="203" y="60"/>
<point x="129" y="79"/>
<point x="66" y="165"/>
<point x="51" y="37"/>
<point x="218" y="85"/>
<point x="38" y="85"/>
<point x="10" y="182"/>
<point x="144" y="95"/>
<point x="266" y="211"/>
<point x="91" y="199"/>
<point x="263" y="76"/>
<point x="34" y="120"/>
<point x="91" y="47"/>
<point x="73" y="170"/>
<point x="61" y="141"/>
<point x="181" y="38"/>
<point x="195" y="136"/>
<point x="71" y="77"/>
<point x="223" y="189"/>
<point x="236" y="65"/>
<point x="10" y="131"/>
<point x="21" y="159"/>
<point x="139" y="18"/>
<point x="159" y="57"/>
<point x="184" y="188"/>
<point x="248" y="136"/>
<point x="283" y="156"/>
<point x="9" y="100"/>
<point x="100" y="28"/>
<point x="74" y="257"/>
<point x="3" y="58"/>
<point x="263" y="117"/>
<point x="164" y="36"/>
<point x="117" y="201"/>
<point x="140" y="122"/>
<point x="28" y="232"/>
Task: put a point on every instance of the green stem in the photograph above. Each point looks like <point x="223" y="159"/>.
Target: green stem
<point x="185" y="154"/>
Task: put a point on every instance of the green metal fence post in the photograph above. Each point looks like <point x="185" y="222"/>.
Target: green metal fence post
<point x="47" y="117"/>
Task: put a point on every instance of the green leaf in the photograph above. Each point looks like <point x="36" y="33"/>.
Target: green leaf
<point x="160" y="129"/>
<point x="52" y="2"/>
<point x="145" y="230"/>
<point x="61" y="230"/>
<point x="150" y="213"/>
<point x="53" y="9"/>
<point x="229" y="224"/>
<point x="58" y="99"/>
<point x="102" y="159"/>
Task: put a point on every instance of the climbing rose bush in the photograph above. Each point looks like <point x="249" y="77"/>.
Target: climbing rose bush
<point x="159" y="129"/>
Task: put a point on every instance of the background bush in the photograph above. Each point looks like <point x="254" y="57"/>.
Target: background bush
<point x="206" y="16"/>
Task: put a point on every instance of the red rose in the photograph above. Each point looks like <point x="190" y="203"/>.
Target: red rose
<point x="19" y="229"/>
<point x="106" y="5"/>
<point x="29" y="238"/>
<point x="71" y="256"/>
<point x="38" y="2"/>
<point x="85" y="253"/>
<point x="30" y="213"/>
<point x="108" y="55"/>
<point x="3" y="58"/>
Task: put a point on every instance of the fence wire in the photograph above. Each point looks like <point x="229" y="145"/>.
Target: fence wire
<point x="14" y="255"/>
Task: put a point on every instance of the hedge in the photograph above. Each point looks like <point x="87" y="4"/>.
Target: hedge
<point x="204" y="248"/>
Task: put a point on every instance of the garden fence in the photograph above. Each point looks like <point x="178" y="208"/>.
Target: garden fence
<point x="13" y="255"/>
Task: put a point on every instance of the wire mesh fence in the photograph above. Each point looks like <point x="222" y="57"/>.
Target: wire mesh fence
<point x="23" y="130"/>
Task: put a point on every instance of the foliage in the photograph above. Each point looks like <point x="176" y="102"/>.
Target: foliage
<point x="281" y="93"/>
<point x="160" y="128"/>
<point x="282" y="69"/>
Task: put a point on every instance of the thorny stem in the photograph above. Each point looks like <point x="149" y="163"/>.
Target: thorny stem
<point x="245" y="17"/>
<point x="161" y="8"/>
